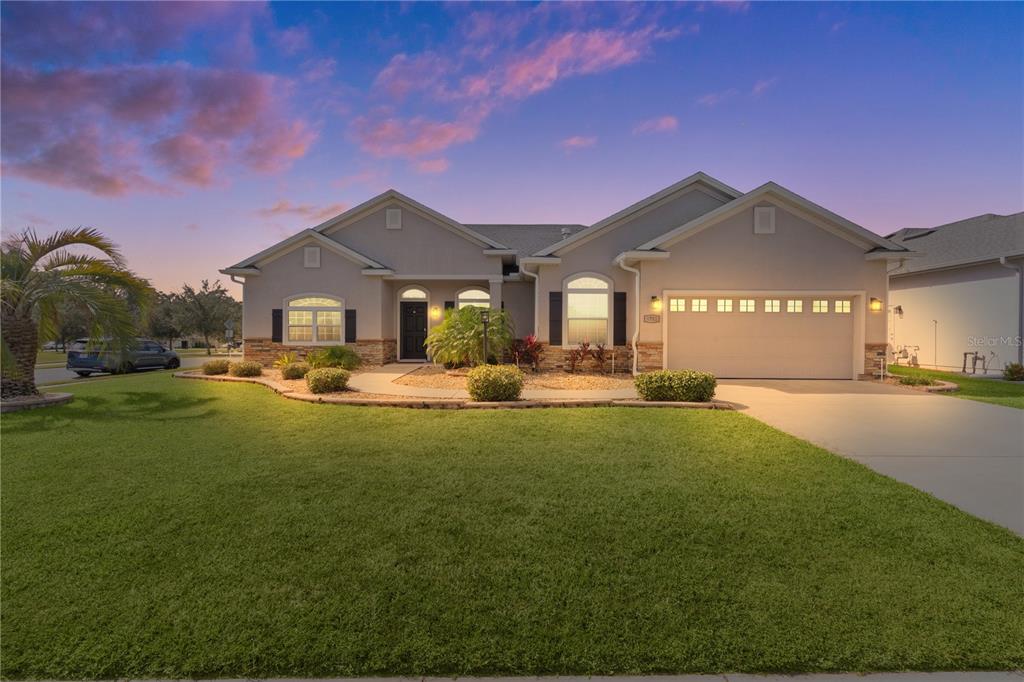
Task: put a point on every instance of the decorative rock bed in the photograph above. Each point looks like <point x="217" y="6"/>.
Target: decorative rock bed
<point x="293" y="390"/>
<point x="34" y="402"/>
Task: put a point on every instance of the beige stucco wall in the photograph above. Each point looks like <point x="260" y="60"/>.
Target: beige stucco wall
<point x="974" y="309"/>
<point x="518" y="298"/>
<point x="421" y="247"/>
<point x="285" y="276"/>
<point x="800" y="256"/>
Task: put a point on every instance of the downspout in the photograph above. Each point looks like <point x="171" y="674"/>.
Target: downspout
<point x="1019" y="268"/>
<point x="636" y="308"/>
<point x="237" y="281"/>
<point x="536" y="298"/>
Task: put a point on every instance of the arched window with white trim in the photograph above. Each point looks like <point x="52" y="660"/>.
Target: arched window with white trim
<point x="473" y="297"/>
<point x="315" y="319"/>
<point x="587" y="310"/>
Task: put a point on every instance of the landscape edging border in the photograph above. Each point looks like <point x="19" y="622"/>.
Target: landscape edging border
<point x="43" y="400"/>
<point x="451" y="403"/>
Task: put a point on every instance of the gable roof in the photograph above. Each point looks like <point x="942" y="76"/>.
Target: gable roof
<point x="681" y="187"/>
<point x="285" y="245"/>
<point x="390" y="195"/>
<point x="972" y="240"/>
<point x="527" y="239"/>
<point x="843" y="227"/>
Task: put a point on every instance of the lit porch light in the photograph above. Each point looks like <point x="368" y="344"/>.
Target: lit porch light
<point x="435" y="313"/>
<point x="875" y="305"/>
<point x="656" y="304"/>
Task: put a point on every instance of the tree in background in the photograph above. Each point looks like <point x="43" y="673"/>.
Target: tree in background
<point x="37" y="276"/>
<point x="163" y="318"/>
<point x="204" y="311"/>
<point x="73" y="322"/>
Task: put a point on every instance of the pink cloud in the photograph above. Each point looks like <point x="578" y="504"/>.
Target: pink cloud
<point x="97" y="129"/>
<point x="293" y="39"/>
<point x="192" y="227"/>
<point x="305" y="211"/>
<point x="410" y="138"/>
<point x="431" y="166"/>
<point x="577" y="142"/>
<point x="715" y="98"/>
<point x="405" y="74"/>
<point x="662" y="124"/>
<point x="763" y="86"/>
<point x="318" y="69"/>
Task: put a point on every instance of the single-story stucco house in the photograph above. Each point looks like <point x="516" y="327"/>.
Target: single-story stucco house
<point x="699" y="275"/>
<point x="964" y="294"/>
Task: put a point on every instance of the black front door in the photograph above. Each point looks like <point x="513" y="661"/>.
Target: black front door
<point x="414" y="330"/>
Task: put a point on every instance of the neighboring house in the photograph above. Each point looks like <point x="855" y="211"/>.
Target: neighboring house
<point x="698" y="275"/>
<point x="963" y="294"/>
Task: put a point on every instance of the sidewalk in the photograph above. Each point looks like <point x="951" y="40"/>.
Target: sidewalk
<point x="381" y="380"/>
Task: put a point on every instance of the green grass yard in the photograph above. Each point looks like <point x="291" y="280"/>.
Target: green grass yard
<point x="1010" y="394"/>
<point x="161" y="527"/>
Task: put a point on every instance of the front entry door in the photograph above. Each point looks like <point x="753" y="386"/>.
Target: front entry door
<point x="414" y="330"/>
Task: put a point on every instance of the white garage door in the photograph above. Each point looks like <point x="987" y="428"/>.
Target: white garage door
<point x="768" y="337"/>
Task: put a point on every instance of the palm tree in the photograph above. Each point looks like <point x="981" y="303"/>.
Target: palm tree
<point x="37" y="275"/>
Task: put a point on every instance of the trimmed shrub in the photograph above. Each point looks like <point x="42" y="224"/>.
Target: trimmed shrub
<point x="916" y="380"/>
<point x="334" y="356"/>
<point x="327" y="379"/>
<point x="491" y="383"/>
<point x="294" y="370"/>
<point x="676" y="385"/>
<point x="245" y="368"/>
<point x="215" y="367"/>
<point x="1014" y="372"/>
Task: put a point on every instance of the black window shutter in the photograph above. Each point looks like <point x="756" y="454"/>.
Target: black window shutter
<point x="448" y="305"/>
<point x="619" y="325"/>
<point x="555" y="318"/>
<point x="350" y="325"/>
<point x="275" y="325"/>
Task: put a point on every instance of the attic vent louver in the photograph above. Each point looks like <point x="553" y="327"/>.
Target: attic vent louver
<point x="764" y="220"/>
<point x="393" y="217"/>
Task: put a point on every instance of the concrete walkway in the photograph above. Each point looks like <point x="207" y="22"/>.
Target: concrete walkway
<point x="381" y="380"/>
<point x="968" y="453"/>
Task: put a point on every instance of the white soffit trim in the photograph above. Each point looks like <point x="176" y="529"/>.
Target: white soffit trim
<point x="296" y="240"/>
<point x="540" y="260"/>
<point x="686" y="184"/>
<point x="353" y="214"/>
<point x="795" y="203"/>
<point x="641" y="255"/>
<point x="248" y="272"/>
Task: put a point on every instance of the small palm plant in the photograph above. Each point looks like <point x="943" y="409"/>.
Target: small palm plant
<point x="38" y="275"/>
<point x="459" y="339"/>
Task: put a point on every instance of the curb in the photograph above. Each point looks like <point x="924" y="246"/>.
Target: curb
<point x="450" y="403"/>
<point x="44" y="400"/>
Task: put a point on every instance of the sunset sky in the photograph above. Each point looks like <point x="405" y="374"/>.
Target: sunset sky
<point x="197" y="134"/>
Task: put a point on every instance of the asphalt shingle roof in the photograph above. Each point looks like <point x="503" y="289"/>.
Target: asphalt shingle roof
<point x="981" y="238"/>
<point x="527" y="239"/>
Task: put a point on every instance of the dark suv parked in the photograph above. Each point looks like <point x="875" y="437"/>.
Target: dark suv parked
<point x="147" y="354"/>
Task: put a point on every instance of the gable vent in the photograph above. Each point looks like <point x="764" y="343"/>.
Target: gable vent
<point x="311" y="257"/>
<point x="393" y="217"/>
<point x="764" y="220"/>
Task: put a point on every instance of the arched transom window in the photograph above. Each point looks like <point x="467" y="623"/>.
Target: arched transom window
<point x="474" y="297"/>
<point x="414" y="294"/>
<point x="587" y="310"/>
<point x="315" y="319"/>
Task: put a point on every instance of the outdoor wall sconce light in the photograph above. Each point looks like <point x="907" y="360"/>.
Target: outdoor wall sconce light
<point x="435" y="313"/>
<point x="875" y="305"/>
<point x="656" y="304"/>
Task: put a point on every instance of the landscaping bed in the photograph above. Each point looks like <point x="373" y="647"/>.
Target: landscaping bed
<point x="434" y="376"/>
<point x="162" y="528"/>
<point x="1007" y="393"/>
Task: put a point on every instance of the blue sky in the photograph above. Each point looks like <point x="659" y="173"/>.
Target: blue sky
<point x="197" y="134"/>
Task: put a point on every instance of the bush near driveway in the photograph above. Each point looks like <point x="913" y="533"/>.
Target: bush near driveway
<point x="294" y="370"/>
<point x="211" y="367"/>
<point x="245" y="368"/>
<point x="676" y="385"/>
<point x="162" y="528"/>
<point x="493" y="383"/>
<point x="1014" y="371"/>
<point x="327" y="380"/>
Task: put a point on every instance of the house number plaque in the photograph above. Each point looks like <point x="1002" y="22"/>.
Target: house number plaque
<point x="652" y="318"/>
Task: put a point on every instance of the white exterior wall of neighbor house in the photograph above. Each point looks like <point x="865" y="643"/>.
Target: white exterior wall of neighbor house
<point x="957" y="310"/>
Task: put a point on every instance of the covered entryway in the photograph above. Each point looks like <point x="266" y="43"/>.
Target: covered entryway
<point x="780" y="336"/>
<point x="412" y="323"/>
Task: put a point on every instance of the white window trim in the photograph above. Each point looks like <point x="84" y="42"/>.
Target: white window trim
<point x="284" y="319"/>
<point x="610" y="291"/>
<point x="460" y="292"/>
<point x="398" y="318"/>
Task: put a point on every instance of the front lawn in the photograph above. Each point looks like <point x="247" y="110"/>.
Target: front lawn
<point x="158" y="527"/>
<point x="1010" y="394"/>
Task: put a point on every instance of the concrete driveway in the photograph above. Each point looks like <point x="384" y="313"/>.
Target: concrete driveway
<point x="967" y="453"/>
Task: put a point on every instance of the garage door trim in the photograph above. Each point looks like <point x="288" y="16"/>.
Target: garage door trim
<point x="857" y="309"/>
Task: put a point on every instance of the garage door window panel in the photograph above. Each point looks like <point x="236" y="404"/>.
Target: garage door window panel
<point x="772" y="305"/>
<point x="747" y="305"/>
<point x="794" y="306"/>
<point x="841" y="306"/>
<point x="724" y="305"/>
<point x="677" y="305"/>
<point x="819" y="306"/>
<point x="699" y="305"/>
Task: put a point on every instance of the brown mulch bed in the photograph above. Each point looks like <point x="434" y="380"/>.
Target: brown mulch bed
<point x="433" y="376"/>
